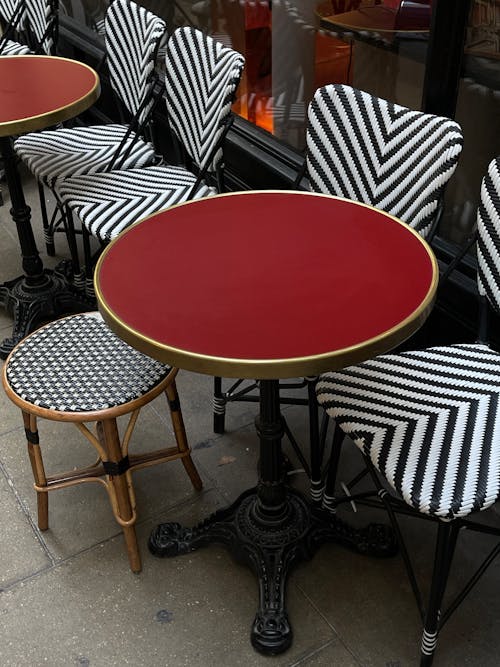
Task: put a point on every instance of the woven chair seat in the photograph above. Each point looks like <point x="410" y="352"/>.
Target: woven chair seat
<point x="77" y="364"/>
<point x="428" y="420"/>
<point x="64" y="152"/>
<point x="107" y="203"/>
<point x="11" y="48"/>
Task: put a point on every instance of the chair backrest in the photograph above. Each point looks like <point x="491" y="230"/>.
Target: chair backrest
<point x="42" y="19"/>
<point x="133" y="36"/>
<point x="13" y="9"/>
<point x="370" y="150"/>
<point x="202" y="76"/>
<point x="488" y="244"/>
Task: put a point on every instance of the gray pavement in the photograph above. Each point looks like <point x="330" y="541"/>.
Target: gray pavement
<point x="69" y="598"/>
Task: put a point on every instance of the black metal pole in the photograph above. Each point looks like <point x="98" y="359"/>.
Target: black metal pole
<point x="20" y="212"/>
<point x="38" y="295"/>
<point x="444" y="56"/>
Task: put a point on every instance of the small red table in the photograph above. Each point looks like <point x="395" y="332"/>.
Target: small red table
<point x="36" y="92"/>
<point x="266" y="285"/>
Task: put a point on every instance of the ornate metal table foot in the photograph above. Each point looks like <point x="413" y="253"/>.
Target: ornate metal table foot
<point x="31" y="306"/>
<point x="271" y="547"/>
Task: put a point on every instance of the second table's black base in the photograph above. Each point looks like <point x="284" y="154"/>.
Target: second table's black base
<point x="271" y="547"/>
<point x="32" y="305"/>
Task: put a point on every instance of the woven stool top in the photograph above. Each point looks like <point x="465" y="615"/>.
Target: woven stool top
<point x="77" y="364"/>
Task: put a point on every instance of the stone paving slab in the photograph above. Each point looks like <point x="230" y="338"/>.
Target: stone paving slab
<point x="21" y="552"/>
<point x="193" y="610"/>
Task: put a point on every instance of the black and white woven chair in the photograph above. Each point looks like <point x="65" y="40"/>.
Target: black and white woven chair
<point x="373" y="151"/>
<point x="34" y="22"/>
<point x="76" y="370"/>
<point x="34" y="25"/>
<point x="428" y="424"/>
<point x="13" y="19"/>
<point x="133" y="37"/>
<point x="202" y="76"/>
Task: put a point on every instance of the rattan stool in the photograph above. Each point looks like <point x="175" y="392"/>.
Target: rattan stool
<point x="77" y="370"/>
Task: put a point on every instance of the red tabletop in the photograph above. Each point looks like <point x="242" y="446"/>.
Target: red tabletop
<point x="266" y="284"/>
<point x="38" y="91"/>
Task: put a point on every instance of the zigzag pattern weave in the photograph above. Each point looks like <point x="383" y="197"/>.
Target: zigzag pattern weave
<point x="133" y="36"/>
<point x="58" y="154"/>
<point x="202" y="77"/>
<point x="8" y="9"/>
<point x="374" y="151"/>
<point x="77" y="364"/>
<point x="132" y="32"/>
<point x="488" y="247"/>
<point x="110" y="202"/>
<point x="41" y="15"/>
<point x="429" y="421"/>
<point x="11" y="48"/>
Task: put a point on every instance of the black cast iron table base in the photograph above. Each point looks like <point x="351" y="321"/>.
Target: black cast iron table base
<point x="39" y="295"/>
<point x="32" y="305"/>
<point x="271" y="550"/>
<point x="271" y="528"/>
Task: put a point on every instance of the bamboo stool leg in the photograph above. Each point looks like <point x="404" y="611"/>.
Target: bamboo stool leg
<point x="180" y="434"/>
<point x="107" y="432"/>
<point x="35" y="456"/>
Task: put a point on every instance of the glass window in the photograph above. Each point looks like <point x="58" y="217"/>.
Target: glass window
<point x="292" y="47"/>
<point x="478" y="112"/>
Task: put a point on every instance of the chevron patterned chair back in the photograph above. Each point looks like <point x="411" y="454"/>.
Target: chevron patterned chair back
<point x="427" y="422"/>
<point x="13" y="11"/>
<point x="133" y="37"/>
<point x="370" y="150"/>
<point x="35" y="20"/>
<point x="42" y="19"/>
<point x="202" y="79"/>
<point x="13" y="20"/>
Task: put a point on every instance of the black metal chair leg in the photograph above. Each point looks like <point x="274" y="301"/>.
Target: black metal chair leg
<point x="89" y="268"/>
<point x="331" y="478"/>
<point x="48" y="233"/>
<point x="445" y="548"/>
<point x="219" y="407"/>
<point x="315" y="445"/>
<point x="69" y="227"/>
<point x="385" y="497"/>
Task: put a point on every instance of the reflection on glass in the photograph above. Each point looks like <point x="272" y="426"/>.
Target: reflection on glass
<point x="292" y="47"/>
<point x="478" y="112"/>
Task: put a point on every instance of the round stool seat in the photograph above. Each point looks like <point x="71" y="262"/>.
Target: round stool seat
<point x="77" y="364"/>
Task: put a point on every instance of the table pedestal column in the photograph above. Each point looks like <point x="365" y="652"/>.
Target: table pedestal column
<point x="39" y="295"/>
<point x="271" y="528"/>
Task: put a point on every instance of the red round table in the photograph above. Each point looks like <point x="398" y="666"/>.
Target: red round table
<point x="266" y="285"/>
<point x="36" y="92"/>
